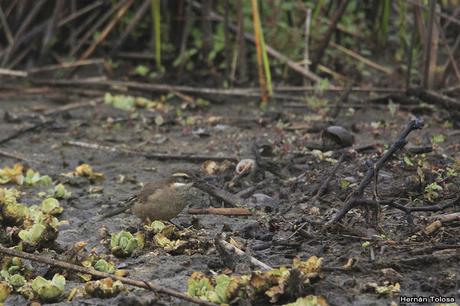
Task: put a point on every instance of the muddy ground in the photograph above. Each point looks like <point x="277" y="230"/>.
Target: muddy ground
<point x="423" y="264"/>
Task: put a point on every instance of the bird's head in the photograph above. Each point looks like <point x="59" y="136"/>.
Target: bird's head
<point x="182" y="180"/>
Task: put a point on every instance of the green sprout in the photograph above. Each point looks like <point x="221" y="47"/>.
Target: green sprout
<point x="123" y="243"/>
<point x="431" y="191"/>
<point x="49" y="290"/>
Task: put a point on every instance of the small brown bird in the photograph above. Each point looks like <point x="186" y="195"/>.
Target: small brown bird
<point x="162" y="199"/>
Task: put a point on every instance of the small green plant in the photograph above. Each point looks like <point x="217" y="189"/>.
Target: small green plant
<point x="123" y="243"/>
<point x="104" y="266"/>
<point x="450" y="172"/>
<point x="438" y="138"/>
<point x="392" y="108"/>
<point x="317" y="103"/>
<point x="49" y="290"/>
<point x="431" y="191"/>
<point x="142" y="70"/>
<point x="344" y="184"/>
<point x="408" y="161"/>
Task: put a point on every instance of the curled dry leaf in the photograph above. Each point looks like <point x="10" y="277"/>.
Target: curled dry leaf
<point x="245" y="166"/>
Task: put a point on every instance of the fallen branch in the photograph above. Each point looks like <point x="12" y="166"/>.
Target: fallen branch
<point x="220" y="194"/>
<point x="43" y="121"/>
<point x="133" y="282"/>
<point x="15" y="155"/>
<point x="448" y="217"/>
<point x="13" y="73"/>
<point x="408" y="209"/>
<point x="357" y="195"/>
<point x="231" y="248"/>
<point x="159" y="156"/>
<point x="95" y="61"/>
<point x="106" y="31"/>
<point x="434" y="97"/>
<point x="326" y="37"/>
<point x="362" y="59"/>
<point x="124" y="86"/>
<point x="440" y="221"/>
<point x="220" y="211"/>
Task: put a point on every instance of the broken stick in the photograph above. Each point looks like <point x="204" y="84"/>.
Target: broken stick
<point x="133" y="282"/>
<point x="357" y="195"/>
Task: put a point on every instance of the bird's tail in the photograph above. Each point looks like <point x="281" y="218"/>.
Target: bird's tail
<point x="129" y="202"/>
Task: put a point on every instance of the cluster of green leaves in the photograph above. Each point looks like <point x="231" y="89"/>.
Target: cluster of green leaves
<point x="104" y="288"/>
<point x="13" y="277"/>
<point x="31" y="227"/>
<point x="270" y="285"/>
<point x="16" y="175"/>
<point x="124" y="243"/>
<point x="439" y="176"/>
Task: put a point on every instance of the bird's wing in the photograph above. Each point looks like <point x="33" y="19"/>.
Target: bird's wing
<point x="151" y="188"/>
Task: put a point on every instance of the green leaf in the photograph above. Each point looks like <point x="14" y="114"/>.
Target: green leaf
<point x="124" y="243"/>
<point x="122" y="102"/>
<point x="142" y="70"/>
<point x="438" y="138"/>
<point x="408" y="161"/>
<point x="51" y="206"/>
<point x="222" y="286"/>
<point x="157" y="226"/>
<point x="58" y="281"/>
<point x="33" y="178"/>
<point x="198" y="287"/>
<point x="60" y="192"/>
<point x="103" y="266"/>
<point x="15" y="212"/>
<point x="16" y="280"/>
<point x="33" y="234"/>
<point x="49" y="290"/>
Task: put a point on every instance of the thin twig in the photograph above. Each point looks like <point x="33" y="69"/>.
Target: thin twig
<point x="133" y="282"/>
<point x="15" y="155"/>
<point x="220" y="194"/>
<point x="150" y="87"/>
<point x="433" y="97"/>
<point x="141" y="11"/>
<point x="450" y="18"/>
<point x="24" y="25"/>
<point x="6" y="27"/>
<point x="89" y="33"/>
<point x="328" y="35"/>
<point x="149" y="155"/>
<point x="271" y="51"/>
<point x="361" y="58"/>
<point x="220" y="211"/>
<point x="410" y="55"/>
<point x="95" y="61"/>
<point x="14" y="73"/>
<point x="306" y="56"/>
<point x="106" y="31"/>
<point x="230" y="247"/>
<point x="429" y="48"/>
<point x="45" y="121"/>
<point x="358" y="194"/>
<point x="453" y="62"/>
<point x="80" y="12"/>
